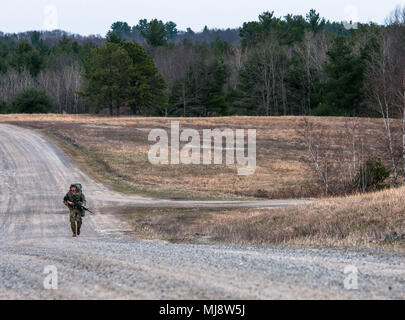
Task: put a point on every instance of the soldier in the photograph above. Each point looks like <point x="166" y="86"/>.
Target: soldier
<point x="75" y="200"/>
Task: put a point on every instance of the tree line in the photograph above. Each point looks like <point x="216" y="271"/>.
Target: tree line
<point x="292" y="65"/>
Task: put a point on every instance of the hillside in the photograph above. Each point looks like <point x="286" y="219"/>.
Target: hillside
<point x="115" y="151"/>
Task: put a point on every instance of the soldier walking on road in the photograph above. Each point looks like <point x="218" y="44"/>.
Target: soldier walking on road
<point x="75" y="201"/>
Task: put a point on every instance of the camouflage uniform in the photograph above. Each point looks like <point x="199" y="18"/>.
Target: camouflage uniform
<point x="75" y="214"/>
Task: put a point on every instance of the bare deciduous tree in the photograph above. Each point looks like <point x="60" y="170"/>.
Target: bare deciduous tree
<point x="312" y="55"/>
<point x="385" y="83"/>
<point x="337" y="155"/>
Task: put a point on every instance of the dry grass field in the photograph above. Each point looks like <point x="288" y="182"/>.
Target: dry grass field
<point x="113" y="150"/>
<point x="355" y="221"/>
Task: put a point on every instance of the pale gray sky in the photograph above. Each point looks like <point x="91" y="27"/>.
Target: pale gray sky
<point x="96" y="16"/>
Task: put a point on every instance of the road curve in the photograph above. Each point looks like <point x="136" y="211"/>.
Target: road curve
<point x="106" y="264"/>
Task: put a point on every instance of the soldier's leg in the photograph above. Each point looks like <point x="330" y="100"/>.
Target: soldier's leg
<point x="73" y="222"/>
<point x="79" y="222"/>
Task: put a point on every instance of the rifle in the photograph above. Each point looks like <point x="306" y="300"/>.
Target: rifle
<point x="79" y="205"/>
<point x="86" y="209"/>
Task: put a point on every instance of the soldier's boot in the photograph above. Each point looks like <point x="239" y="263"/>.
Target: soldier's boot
<point x="73" y="226"/>
<point x="79" y="224"/>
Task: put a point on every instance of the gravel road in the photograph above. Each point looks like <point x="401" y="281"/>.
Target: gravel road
<point x="104" y="263"/>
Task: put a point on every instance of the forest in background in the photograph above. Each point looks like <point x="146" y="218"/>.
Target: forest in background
<point x="294" y="65"/>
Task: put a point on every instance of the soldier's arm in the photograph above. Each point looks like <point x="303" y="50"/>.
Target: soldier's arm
<point x="83" y="200"/>
<point x="65" y="201"/>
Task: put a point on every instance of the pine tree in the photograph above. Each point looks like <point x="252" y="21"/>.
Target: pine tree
<point x="26" y="57"/>
<point x="108" y="76"/>
<point x="342" y="93"/>
<point x="154" y="32"/>
<point x="147" y="86"/>
<point x="122" y="74"/>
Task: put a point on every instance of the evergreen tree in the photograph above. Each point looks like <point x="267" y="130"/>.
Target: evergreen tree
<point x="154" y="32"/>
<point x="254" y="32"/>
<point x="171" y="29"/>
<point x="3" y="107"/>
<point x="122" y="74"/>
<point x="108" y="76"/>
<point x="121" y="29"/>
<point x="31" y="101"/>
<point x="146" y="94"/>
<point x="202" y="92"/>
<point x="315" y="22"/>
<point x="292" y="29"/>
<point x="4" y="53"/>
<point x="342" y="93"/>
<point x="26" y="57"/>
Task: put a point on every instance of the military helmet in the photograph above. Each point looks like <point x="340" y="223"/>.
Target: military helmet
<point x="77" y="185"/>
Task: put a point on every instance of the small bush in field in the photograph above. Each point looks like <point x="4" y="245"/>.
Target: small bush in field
<point x="371" y="176"/>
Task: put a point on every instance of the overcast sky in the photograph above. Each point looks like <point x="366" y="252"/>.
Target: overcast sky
<point x="96" y="16"/>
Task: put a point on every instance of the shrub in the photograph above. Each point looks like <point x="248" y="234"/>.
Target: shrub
<point x="31" y="101"/>
<point x="371" y="176"/>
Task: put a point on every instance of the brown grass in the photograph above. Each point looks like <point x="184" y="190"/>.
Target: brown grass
<point x="113" y="150"/>
<point x="355" y="221"/>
